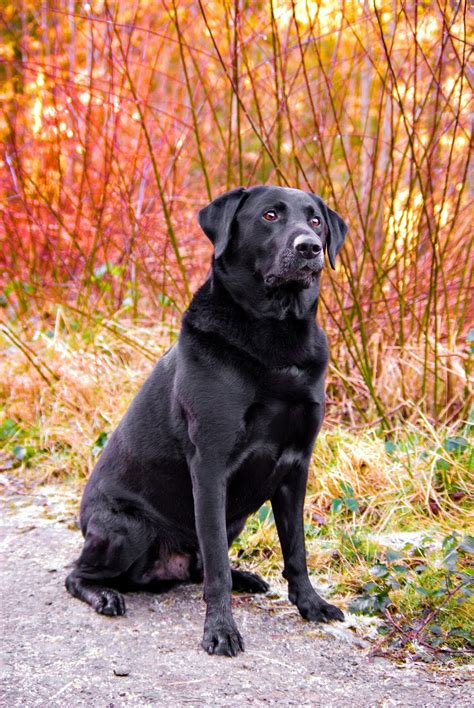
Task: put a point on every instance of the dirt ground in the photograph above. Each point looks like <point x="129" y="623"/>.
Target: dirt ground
<point x="58" y="652"/>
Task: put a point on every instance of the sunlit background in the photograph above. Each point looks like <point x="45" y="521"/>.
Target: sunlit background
<point x="121" y="119"/>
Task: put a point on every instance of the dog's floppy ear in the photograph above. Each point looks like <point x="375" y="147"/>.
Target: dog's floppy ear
<point x="337" y="230"/>
<point x="216" y="218"/>
<point x="337" y="233"/>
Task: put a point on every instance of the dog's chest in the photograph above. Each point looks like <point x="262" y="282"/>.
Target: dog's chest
<point x="278" y="432"/>
<point x="287" y="408"/>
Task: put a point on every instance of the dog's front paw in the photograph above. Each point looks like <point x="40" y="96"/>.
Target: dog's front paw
<point x="222" y="638"/>
<point x="320" y="612"/>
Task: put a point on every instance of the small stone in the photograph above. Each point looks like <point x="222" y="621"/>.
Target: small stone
<point x="121" y="671"/>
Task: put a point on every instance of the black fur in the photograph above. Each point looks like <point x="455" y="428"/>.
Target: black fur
<point x="226" y="421"/>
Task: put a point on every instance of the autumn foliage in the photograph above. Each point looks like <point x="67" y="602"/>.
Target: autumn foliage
<point x="121" y="119"/>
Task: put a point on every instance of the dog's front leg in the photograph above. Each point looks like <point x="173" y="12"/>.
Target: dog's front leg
<point x="287" y="504"/>
<point x="221" y="635"/>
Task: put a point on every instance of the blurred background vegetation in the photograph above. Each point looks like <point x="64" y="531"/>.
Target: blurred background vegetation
<point x="121" y="119"/>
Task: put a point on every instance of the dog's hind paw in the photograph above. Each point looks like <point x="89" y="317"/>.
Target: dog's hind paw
<point x="109" y="602"/>
<point x="243" y="581"/>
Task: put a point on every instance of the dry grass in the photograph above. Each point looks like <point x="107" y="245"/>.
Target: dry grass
<point x="402" y="487"/>
<point x="402" y="383"/>
<point x="71" y="388"/>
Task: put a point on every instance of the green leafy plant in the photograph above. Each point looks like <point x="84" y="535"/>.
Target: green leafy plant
<point x="424" y="594"/>
<point x="23" y="453"/>
<point x="347" y="501"/>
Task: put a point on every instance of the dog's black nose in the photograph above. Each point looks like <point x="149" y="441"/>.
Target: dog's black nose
<point x="307" y="246"/>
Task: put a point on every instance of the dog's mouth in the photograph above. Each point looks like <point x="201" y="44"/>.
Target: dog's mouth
<point x="305" y="275"/>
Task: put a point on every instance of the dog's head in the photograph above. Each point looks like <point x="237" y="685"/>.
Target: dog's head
<point x="272" y="237"/>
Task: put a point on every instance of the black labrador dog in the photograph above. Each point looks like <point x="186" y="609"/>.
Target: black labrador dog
<point x="226" y="421"/>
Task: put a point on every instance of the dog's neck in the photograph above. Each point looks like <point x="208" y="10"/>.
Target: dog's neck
<point x="288" y="301"/>
<point x="214" y="309"/>
<point x="275" y="342"/>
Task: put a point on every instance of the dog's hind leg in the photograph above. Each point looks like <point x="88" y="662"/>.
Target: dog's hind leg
<point x="104" y="600"/>
<point x="113" y="543"/>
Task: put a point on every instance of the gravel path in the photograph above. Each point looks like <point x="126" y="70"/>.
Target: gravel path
<point x="58" y="652"/>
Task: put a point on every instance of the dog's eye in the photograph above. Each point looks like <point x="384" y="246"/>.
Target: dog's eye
<point x="316" y="221"/>
<point x="270" y="216"/>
